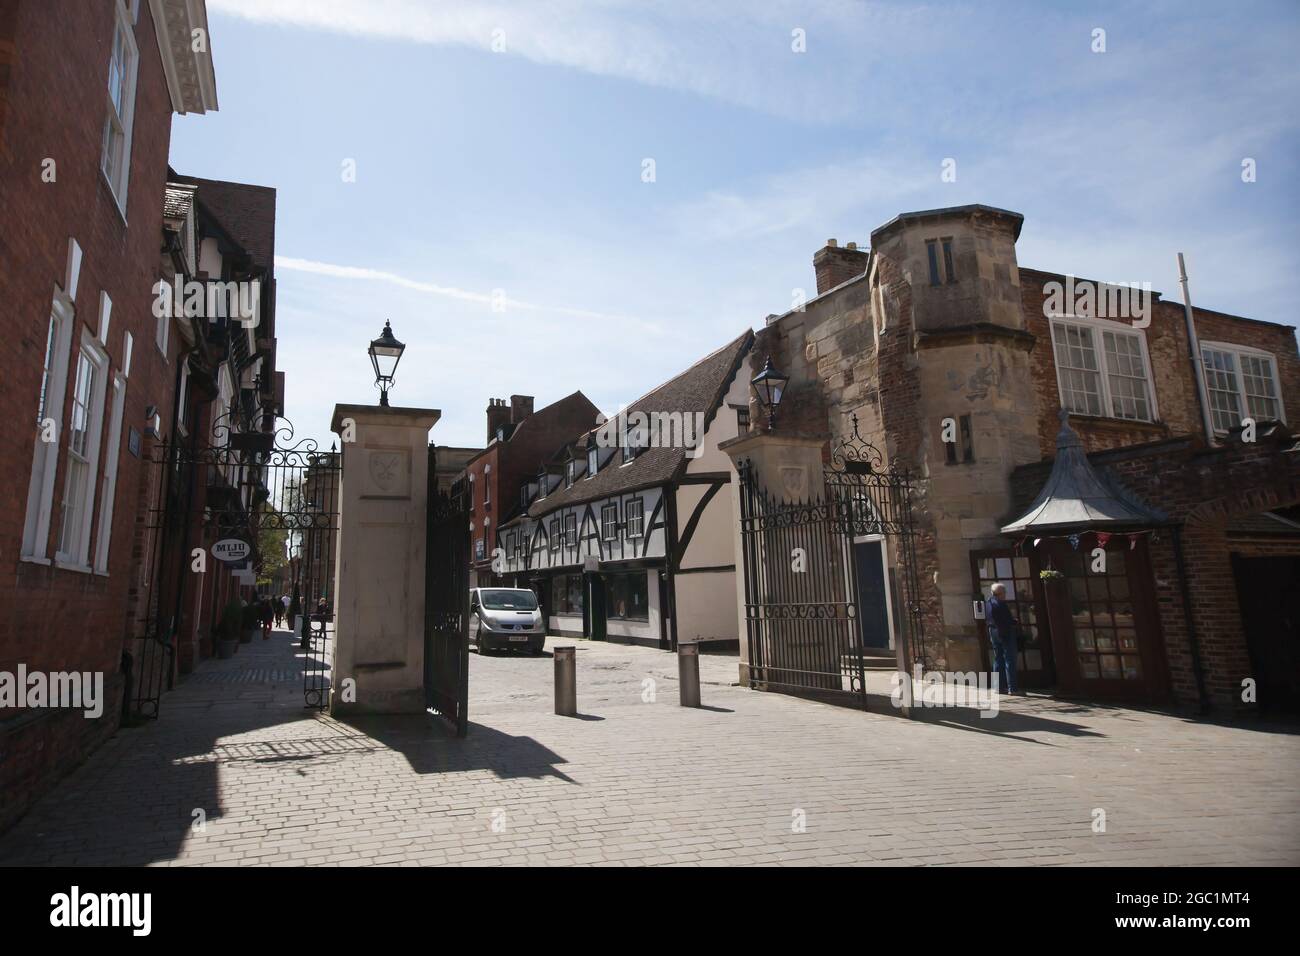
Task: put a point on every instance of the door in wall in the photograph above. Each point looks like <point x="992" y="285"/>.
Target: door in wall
<point x="1268" y="593"/>
<point x="1019" y="573"/>
<point x="873" y="600"/>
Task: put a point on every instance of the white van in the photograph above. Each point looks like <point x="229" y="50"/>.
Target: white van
<point x="505" y="618"/>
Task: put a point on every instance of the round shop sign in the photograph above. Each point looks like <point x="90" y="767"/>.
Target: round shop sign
<point x="231" y="550"/>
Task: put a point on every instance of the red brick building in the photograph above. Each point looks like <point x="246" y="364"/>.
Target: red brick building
<point x="87" y="92"/>
<point x="956" y="361"/>
<point x="519" y="440"/>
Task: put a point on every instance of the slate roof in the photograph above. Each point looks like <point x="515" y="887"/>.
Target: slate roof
<point x="1076" y="497"/>
<point x="245" y="211"/>
<point x="698" y="389"/>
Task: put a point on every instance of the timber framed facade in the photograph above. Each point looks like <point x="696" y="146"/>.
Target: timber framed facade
<point x="631" y="539"/>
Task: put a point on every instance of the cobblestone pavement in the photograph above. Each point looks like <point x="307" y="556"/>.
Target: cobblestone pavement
<point x="645" y="781"/>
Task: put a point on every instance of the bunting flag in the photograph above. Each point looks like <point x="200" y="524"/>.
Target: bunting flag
<point x="1102" y="538"/>
<point x="1074" y="541"/>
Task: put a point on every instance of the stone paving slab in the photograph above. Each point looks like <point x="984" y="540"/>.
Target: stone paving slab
<point x="749" y="779"/>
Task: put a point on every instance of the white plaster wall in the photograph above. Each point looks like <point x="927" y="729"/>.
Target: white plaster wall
<point x="706" y="607"/>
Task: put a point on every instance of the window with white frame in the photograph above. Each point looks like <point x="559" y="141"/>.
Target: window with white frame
<point x="109" y="492"/>
<point x="115" y="159"/>
<point x="51" y="345"/>
<point x="570" y="531"/>
<point x="593" y="461"/>
<point x="1241" y="383"/>
<point x="1102" y="371"/>
<point x="634" y="518"/>
<point x="555" y="534"/>
<point x="83" y="454"/>
<point x="570" y="472"/>
<point x="609" y="522"/>
<point x="54" y="382"/>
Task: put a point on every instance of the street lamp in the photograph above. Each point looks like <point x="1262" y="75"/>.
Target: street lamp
<point x="770" y="386"/>
<point x="385" y="353"/>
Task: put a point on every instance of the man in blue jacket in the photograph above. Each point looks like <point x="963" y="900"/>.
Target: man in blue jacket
<point x="1002" y="635"/>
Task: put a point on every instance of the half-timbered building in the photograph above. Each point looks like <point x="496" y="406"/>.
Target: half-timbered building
<point x="627" y="533"/>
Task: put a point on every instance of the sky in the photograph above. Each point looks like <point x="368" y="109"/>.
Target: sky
<point x="503" y="217"/>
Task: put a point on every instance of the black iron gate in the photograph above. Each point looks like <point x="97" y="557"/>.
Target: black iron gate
<point x="802" y="598"/>
<point x="218" y="516"/>
<point x="446" y="605"/>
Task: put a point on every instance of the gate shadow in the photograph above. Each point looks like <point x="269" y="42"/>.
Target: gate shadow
<point x="429" y="746"/>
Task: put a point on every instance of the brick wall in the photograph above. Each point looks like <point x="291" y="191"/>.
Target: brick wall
<point x="1202" y="490"/>
<point x="54" y="79"/>
<point x="1171" y="369"/>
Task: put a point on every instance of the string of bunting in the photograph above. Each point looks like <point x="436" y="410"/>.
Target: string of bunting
<point x="1102" y="538"/>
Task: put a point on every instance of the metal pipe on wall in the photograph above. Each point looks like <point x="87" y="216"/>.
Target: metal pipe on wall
<point x="1198" y="362"/>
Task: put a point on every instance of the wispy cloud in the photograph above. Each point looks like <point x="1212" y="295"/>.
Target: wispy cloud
<point x="738" y="52"/>
<point x="496" y="300"/>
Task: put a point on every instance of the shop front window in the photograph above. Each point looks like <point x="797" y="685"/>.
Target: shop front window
<point x="1101" y="609"/>
<point x="628" y="597"/>
<point x="566" y="594"/>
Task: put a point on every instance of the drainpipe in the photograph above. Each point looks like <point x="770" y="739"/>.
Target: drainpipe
<point x="1198" y="672"/>
<point x="1198" y="363"/>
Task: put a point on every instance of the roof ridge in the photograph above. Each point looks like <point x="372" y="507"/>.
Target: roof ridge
<point x="686" y="371"/>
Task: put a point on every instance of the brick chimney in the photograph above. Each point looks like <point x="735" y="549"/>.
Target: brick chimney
<point x="498" y="414"/>
<point x="834" y="265"/>
<point x="521" y="406"/>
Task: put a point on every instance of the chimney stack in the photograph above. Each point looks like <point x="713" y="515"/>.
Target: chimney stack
<point x="834" y="265"/>
<point x="521" y="406"/>
<point x="498" y="414"/>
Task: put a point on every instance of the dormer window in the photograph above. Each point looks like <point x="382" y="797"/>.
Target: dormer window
<point x="593" y="461"/>
<point x="570" y="472"/>
<point x="541" y="486"/>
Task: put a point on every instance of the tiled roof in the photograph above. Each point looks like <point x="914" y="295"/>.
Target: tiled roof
<point x="246" y="212"/>
<point x="698" y="389"/>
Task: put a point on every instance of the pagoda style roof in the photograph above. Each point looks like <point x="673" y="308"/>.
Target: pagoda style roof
<point x="1076" y="497"/>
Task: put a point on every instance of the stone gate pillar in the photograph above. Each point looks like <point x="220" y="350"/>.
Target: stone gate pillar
<point x="379" y="564"/>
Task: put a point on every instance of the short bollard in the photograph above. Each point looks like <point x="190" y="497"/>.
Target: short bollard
<point x="566" y="682"/>
<point x="688" y="674"/>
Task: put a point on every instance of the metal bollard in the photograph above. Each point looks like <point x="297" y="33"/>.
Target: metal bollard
<point x="688" y="674"/>
<point x="566" y="682"/>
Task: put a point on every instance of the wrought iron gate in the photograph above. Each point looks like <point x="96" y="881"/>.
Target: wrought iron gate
<point x="256" y="487"/>
<point x="446" y="605"/>
<point x="802" y="611"/>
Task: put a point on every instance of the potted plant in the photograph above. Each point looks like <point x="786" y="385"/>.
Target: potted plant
<point x="228" y="629"/>
<point x="250" y="624"/>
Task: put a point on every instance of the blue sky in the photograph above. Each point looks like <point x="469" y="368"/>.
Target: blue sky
<point x="517" y="173"/>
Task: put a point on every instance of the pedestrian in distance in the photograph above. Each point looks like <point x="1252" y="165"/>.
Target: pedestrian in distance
<point x="267" y="616"/>
<point x="1004" y="636"/>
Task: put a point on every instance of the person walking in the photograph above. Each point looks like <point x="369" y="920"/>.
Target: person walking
<point x="1004" y="637"/>
<point x="278" y="608"/>
<point x="267" y="616"/>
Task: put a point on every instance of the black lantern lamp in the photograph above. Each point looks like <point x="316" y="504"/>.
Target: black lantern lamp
<point x="385" y="353"/>
<point x="769" y="384"/>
